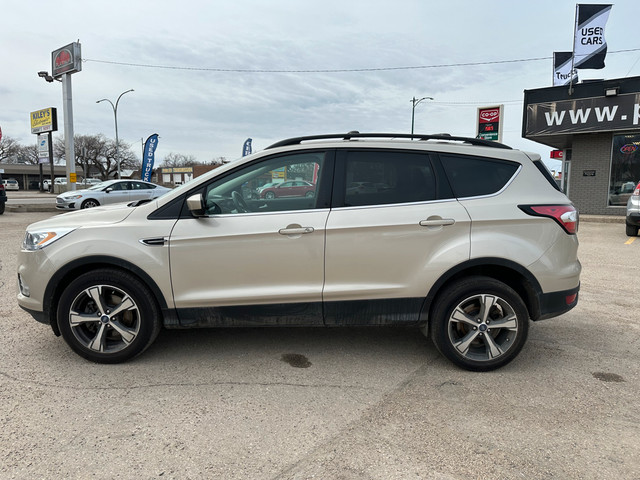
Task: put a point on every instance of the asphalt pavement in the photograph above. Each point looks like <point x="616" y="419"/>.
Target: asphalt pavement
<point x="350" y="403"/>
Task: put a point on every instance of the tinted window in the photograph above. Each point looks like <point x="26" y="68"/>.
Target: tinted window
<point x="379" y="178"/>
<point x="474" y="176"/>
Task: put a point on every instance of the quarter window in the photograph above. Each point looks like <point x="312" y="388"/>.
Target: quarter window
<point x="380" y="178"/>
<point x="475" y="176"/>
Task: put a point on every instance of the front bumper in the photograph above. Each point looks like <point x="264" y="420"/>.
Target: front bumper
<point x="62" y="204"/>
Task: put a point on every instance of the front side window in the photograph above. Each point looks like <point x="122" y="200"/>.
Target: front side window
<point x="477" y="176"/>
<point x="287" y="182"/>
<point x="388" y="177"/>
<point x="625" y="169"/>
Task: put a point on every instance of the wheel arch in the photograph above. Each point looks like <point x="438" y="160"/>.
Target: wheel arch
<point x="78" y="267"/>
<point x="512" y="274"/>
<point x="94" y="200"/>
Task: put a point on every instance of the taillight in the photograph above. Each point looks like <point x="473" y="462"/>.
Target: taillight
<point x="636" y="192"/>
<point x="565" y="215"/>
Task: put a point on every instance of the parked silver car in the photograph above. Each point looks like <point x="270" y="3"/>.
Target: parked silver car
<point x="633" y="212"/>
<point x="466" y="239"/>
<point x="109" y="192"/>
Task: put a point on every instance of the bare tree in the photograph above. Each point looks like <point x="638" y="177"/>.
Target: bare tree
<point x="28" y="154"/>
<point x="9" y="148"/>
<point x="179" y="160"/>
<point x="98" y="154"/>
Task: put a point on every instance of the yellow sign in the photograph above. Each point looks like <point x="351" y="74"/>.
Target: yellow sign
<point x="44" y="120"/>
<point x="72" y="177"/>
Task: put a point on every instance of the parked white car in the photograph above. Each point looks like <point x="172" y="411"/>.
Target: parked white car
<point x="11" y="184"/>
<point x="109" y="192"/>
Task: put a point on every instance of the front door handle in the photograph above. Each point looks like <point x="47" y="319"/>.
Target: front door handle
<point x="437" y="222"/>
<point x="295" y="230"/>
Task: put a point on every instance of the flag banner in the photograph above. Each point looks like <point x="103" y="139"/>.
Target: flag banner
<point x="148" y="157"/>
<point x="562" y="69"/>
<point x="246" y="148"/>
<point x="590" y="47"/>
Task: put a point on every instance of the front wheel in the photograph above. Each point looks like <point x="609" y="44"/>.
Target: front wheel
<point x="108" y="316"/>
<point x="91" y="203"/>
<point x="479" y="323"/>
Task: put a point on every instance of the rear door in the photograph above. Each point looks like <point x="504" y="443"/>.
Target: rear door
<point x="388" y="244"/>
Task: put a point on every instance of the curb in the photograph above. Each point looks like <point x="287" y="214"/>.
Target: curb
<point x="18" y="208"/>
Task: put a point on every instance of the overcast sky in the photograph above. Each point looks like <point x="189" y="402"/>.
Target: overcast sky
<point x="200" y="109"/>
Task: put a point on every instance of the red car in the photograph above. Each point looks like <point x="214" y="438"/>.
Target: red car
<point x="290" y="188"/>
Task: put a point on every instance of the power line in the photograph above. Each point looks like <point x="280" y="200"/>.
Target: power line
<point x="334" y="70"/>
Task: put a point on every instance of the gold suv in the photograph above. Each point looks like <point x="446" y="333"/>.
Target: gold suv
<point x="463" y="238"/>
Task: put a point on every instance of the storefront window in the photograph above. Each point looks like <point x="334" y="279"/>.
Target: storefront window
<point x="625" y="169"/>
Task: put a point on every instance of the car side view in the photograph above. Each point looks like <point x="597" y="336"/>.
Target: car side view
<point x="465" y="239"/>
<point x="109" y="192"/>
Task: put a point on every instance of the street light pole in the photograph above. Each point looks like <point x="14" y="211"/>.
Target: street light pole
<point x="415" y="101"/>
<point x="115" y="117"/>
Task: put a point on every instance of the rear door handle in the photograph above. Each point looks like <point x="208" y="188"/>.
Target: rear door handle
<point x="437" y="222"/>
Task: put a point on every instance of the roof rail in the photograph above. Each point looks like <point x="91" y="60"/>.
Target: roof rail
<point x="355" y="134"/>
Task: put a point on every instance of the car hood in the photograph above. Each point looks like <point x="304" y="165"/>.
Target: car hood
<point x="106" y="215"/>
<point x="70" y="193"/>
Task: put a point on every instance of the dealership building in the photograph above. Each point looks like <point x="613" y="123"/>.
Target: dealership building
<point x="596" y="125"/>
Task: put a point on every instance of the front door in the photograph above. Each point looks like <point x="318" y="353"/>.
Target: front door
<point x="253" y="261"/>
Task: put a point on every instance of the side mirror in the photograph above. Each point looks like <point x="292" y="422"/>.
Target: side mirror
<point x="199" y="208"/>
<point x="109" y="190"/>
<point x="195" y="204"/>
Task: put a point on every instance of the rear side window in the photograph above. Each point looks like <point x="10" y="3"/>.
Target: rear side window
<point x="387" y="177"/>
<point x="475" y="176"/>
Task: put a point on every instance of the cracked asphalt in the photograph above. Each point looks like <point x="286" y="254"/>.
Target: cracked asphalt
<point x="330" y="403"/>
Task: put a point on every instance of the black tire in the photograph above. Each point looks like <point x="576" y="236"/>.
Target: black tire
<point x="108" y="316"/>
<point x="1" y="208"/>
<point x="473" y="337"/>
<point x="90" y="203"/>
<point x="632" y="230"/>
<point x="269" y="195"/>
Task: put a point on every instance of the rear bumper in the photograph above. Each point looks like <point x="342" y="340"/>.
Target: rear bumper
<point x="556" y="303"/>
<point x="633" y="218"/>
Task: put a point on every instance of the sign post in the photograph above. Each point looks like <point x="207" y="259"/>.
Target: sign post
<point x="64" y="62"/>
<point x="43" y="122"/>
<point x="489" y="123"/>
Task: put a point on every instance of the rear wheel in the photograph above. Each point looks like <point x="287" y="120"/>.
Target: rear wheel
<point x="108" y="316"/>
<point x="632" y="230"/>
<point x="1" y="208"/>
<point x="479" y="323"/>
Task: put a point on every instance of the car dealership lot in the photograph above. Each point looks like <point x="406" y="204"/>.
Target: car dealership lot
<point x="331" y="403"/>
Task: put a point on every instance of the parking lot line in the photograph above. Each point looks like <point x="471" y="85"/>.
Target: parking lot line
<point x="630" y="241"/>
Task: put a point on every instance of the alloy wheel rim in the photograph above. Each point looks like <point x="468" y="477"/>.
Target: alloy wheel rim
<point x="104" y="319"/>
<point x="483" y="327"/>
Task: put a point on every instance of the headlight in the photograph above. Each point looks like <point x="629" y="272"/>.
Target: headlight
<point x="40" y="239"/>
<point x="72" y="197"/>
